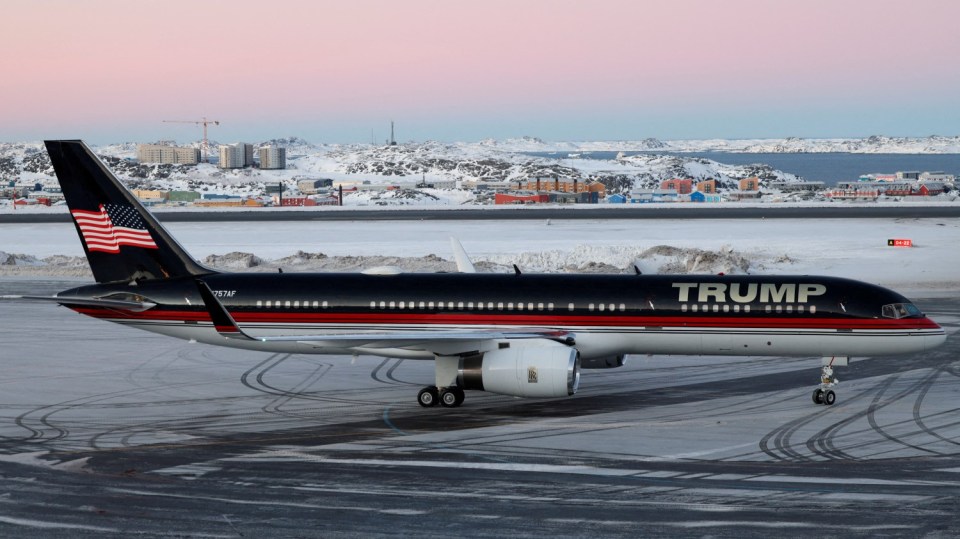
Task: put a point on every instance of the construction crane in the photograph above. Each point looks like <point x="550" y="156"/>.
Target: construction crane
<point x="204" y="122"/>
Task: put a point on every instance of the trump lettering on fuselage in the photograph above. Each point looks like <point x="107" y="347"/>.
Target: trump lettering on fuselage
<point x="748" y="292"/>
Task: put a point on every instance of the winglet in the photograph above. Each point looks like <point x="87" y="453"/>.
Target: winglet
<point x="464" y="264"/>
<point x="222" y="321"/>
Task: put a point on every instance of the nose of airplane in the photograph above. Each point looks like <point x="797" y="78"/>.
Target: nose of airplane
<point x="933" y="340"/>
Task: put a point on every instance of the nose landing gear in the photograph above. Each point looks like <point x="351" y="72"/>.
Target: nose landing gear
<point x="825" y="394"/>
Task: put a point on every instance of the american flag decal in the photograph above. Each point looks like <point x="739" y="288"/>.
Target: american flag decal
<point x="114" y="225"/>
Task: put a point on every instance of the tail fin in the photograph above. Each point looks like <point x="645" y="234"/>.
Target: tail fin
<point x="122" y="240"/>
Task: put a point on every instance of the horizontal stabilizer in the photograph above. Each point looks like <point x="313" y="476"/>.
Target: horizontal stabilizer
<point x="133" y="306"/>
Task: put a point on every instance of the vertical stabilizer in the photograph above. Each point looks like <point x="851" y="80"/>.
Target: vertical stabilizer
<point x="122" y="240"/>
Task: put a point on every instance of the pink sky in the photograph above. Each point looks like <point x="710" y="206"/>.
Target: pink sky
<point x="337" y="71"/>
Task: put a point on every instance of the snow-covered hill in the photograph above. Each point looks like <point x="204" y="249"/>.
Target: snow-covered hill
<point x="873" y="144"/>
<point x="405" y="164"/>
<point x="367" y="166"/>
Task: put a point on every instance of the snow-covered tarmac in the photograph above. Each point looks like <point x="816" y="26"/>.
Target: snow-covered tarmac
<point x="107" y="431"/>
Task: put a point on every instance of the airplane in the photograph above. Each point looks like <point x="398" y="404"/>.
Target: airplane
<point x="519" y="334"/>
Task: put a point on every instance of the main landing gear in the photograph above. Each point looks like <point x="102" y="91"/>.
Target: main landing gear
<point x="448" y="397"/>
<point x="825" y="394"/>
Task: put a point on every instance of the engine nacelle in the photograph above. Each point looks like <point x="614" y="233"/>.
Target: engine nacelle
<point x="533" y="371"/>
<point x="605" y="362"/>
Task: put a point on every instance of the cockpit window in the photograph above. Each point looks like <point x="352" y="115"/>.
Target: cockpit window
<point x="901" y="310"/>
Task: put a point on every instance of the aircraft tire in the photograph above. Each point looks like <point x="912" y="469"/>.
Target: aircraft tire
<point x="449" y="399"/>
<point x="829" y="397"/>
<point x="428" y="396"/>
<point x="818" y="396"/>
<point x="460" y="395"/>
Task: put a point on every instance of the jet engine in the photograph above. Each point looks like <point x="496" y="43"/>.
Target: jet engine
<point x="534" y="371"/>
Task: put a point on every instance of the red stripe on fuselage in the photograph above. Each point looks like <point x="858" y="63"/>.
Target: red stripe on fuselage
<point x="528" y="320"/>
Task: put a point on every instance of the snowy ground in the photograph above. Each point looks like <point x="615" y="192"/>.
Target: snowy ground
<point x="854" y="248"/>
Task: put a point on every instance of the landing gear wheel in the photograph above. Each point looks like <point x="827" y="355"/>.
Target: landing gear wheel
<point x="818" y="396"/>
<point x="451" y="397"/>
<point x="428" y="396"/>
<point x="829" y="397"/>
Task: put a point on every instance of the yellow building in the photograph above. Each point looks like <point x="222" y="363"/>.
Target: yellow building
<point x="150" y="195"/>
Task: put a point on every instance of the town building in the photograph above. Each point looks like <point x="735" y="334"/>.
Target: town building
<point x="150" y="195"/>
<point x="565" y="185"/>
<point x="707" y="187"/>
<point x="521" y="198"/>
<point x="645" y="196"/>
<point x="750" y="184"/>
<point x="681" y="186"/>
<point x="937" y="176"/>
<point x="702" y="197"/>
<point x="794" y="187"/>
<point x="166" y="154"/>
<point x="312" y="187"/>
<point x="272" y="157"/>
<point x="237" y="155"/>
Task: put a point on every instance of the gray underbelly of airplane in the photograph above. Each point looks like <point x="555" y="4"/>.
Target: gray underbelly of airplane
<point x="592" y="341"/>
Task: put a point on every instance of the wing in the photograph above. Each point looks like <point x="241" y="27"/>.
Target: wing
<point x="227" y="326"/>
